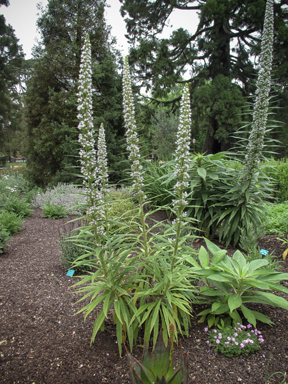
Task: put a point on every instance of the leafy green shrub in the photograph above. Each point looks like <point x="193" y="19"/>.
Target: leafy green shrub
<point x="275" y="221"/>
<point x="122" y="209"/>
<point x="64" y="195"/>
<point x="3" y="160"/>
<point x="164" y="129"/>
<point x="278" y="172"/>
<point x="4" y="238"/>
<point x="281" y="181"/>
<point x="18" y="206"/>
<point x="159" y="181"/>
<point x="241" y="340"/>
<point x="230" y="283"/>
<point x="77" y="244"/>
<point x="11" y="222"/>
<point x="29" y="196"/>
<point x="54" y="211"/>
<point x="222" y="203"/>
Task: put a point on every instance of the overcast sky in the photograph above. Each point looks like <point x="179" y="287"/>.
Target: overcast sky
<point x="22" y="15"/>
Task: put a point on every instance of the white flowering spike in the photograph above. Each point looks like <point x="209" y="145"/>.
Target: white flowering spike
<point x="182" y="158"/>
<point x="131" y="134"/>
<point x="87" y="152"/>
<point x="102" y="161"/>
<point x="260" y="114"/>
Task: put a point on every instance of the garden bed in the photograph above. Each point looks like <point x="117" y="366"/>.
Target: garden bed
<point x="41" y="341"/>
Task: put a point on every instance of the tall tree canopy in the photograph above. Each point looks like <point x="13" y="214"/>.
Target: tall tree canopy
<point x="224" y="44"/>
<point x="51" y="101"/>
<point x="11" y="62"/>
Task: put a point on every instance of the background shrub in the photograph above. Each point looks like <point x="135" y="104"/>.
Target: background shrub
<point x="11" y="183"/>
<point x="54" y="211"/>
<point x="65" y="195"/>
<point x="276" y="219"/>
<point x="123" y="209"/>
<point x="4" y="238"/>
<point x="11" y="222"/>
<point x="19" y="206"/>
<point x="159" y="182"/>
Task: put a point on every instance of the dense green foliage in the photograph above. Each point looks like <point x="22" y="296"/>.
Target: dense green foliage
<point x="163" y="134"/>
<point x="18" y="206"/>
<point x="276" y="218"/>
<point x="11" y="222"/>
<point x="54" y="211"/>
<point x="11" y="62"/>
<point x="217" y="201"/>
<point x="209" y="54"/>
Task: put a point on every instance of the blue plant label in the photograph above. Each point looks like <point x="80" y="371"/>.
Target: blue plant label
<point x="263" y="252"/>
<point x="70" y="272"/>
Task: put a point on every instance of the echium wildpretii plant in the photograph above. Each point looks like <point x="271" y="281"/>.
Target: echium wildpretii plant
<point x="143" y="288"/>
<point x="260" y="114"/>
<point x="102" y="164"/>
<point x="164" y="292"/>
<point x="182" y="160"/>
<point x="133" y="148"/>
<point x="87" y="152"/>
<point x="102" y="161"/>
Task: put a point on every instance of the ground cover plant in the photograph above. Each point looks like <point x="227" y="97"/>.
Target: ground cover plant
<point x="65" y="195"/>
<point x="235" y="341"/>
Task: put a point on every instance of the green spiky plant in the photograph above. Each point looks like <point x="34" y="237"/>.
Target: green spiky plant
<point x="157" y="368"/>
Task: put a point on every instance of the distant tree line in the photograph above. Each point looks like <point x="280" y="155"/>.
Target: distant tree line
<point x="38" y="97"/>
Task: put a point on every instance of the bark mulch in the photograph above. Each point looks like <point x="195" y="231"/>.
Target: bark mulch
<point x="43" y="341"/>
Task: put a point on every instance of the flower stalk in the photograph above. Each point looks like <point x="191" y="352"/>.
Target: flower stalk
<point x="103" y="169"/>
<point x="181" y="168"/>
<point x="92" y="183"/>
<point x="260" y="114"/>
<point x="133" y="148"/>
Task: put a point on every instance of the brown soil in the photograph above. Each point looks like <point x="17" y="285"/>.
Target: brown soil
<point x="41" y="341"/>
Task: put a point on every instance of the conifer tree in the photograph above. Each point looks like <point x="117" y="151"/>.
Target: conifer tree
<point x="11" y="62"/>
<point x="51" y="101"/>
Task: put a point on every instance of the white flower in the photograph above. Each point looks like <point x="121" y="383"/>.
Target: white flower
<point x="131" y="134"/>
<point x="260" y="114"/>
<point x="87" y="153"/>
<point x="182" y="157"/>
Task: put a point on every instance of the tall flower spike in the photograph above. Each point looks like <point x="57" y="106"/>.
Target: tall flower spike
<point x="87" y="152"/>
<point x="131" y="134"/>
<point x="182" y="157"/>
<point x="260" y="114"/>
<point x="102" y="161"/>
